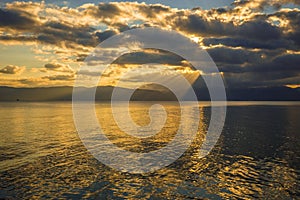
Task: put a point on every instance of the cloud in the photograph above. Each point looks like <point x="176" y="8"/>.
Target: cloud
<point x="259" y="29"/>
<point x="60" y="28"/>
<point x="150" y="56"/>
<point x="12" y="39"/>
<point x="105" y="34"/>
<point x="248" y="45"/>
<point x="238" y="60"/>
<point x="44" y="81"/>
<point x="200" y="25"/>
<point x="102" y="10"/>
<point x="60" y="77"/>
<point x="15" y="19"/>
<point x="12" y="69"/>
<point x="72" y="27"/>
<point x="293" y="86"/>
<point x="58" y="32"/>
<point x="261" y="4"/>
<point x="290" y="20"/>
<point x="58" y="67"/>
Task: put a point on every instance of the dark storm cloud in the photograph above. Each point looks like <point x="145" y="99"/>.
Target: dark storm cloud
<point x="161" y="57"/>
<point x="254" y="52"/>
<point x="56" y="32"/>
<point x="260" y="68"/>
<point x="243" y="60"/>
<point x="53" y="30"/>
<point x="199" y="25"/>
<point x="15" y="19"/>
<point x="258" y="29"/>
<point x="233" y="56"/>
<point x="151" y="11"/>
<point x="103" y="10"/>
<point x="288" y="62"/>
<point x="249" y="43"/>
<point x="125" y="9"/>
<point x="105" y="34"/>
<point x="292" y="17"/>
<point x="12" y="38"/>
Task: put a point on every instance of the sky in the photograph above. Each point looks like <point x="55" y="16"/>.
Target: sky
<point x="255" y="44"/>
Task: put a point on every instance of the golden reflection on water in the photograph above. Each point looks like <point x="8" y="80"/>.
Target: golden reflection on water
<point x="140" y="115"/>
<point x="43" y="157"/>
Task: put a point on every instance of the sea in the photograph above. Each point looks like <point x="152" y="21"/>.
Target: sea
<point x="257" y="155"/>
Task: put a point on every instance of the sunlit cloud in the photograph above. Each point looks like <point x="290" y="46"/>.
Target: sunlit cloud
<point x="11" y="69"/>
<point x="261" y="4"/>
<point x="58" y="68"/>
<point x="293" y="86"/>
<point x="243" y="40"/>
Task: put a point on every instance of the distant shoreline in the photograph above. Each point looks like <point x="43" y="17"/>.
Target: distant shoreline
<point x="47" y="94"/>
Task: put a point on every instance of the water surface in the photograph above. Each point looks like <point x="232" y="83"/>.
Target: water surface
<point x="257" y="155"/>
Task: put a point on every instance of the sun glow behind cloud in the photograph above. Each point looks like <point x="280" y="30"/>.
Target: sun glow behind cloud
<point x="293" y="86"/>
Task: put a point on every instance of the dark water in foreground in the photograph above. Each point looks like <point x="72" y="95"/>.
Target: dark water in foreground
<point x="257" y="155"/>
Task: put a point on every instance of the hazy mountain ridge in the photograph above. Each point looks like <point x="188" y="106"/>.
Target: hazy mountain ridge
<point x="104" y="94"/>
<point x="65" y="94"/>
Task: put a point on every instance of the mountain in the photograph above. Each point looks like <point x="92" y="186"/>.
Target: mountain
<point x="145" y="94"/>
<point x="65" y="94"/>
